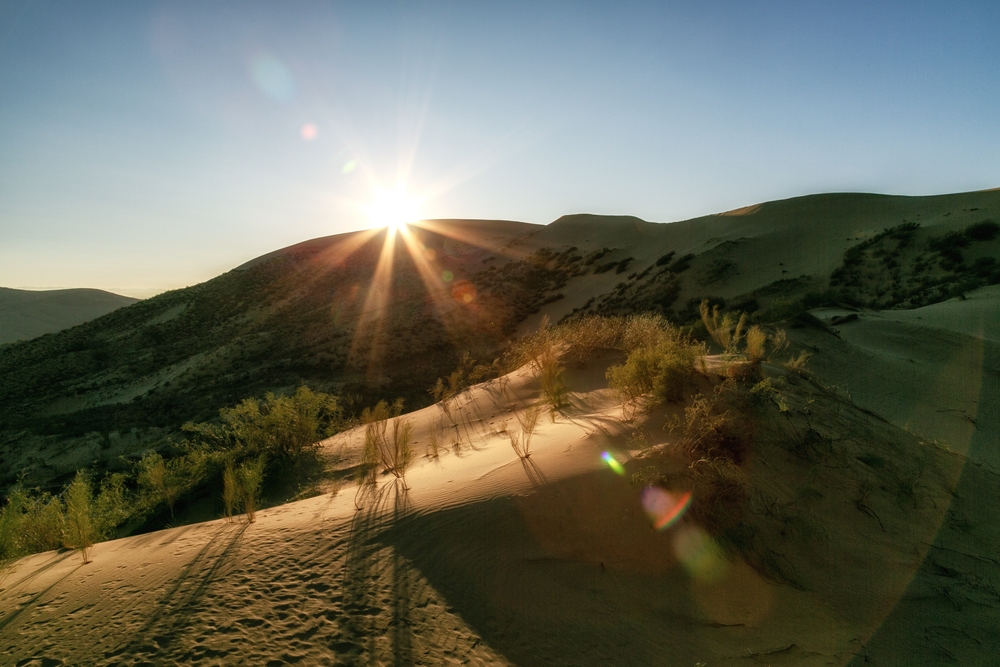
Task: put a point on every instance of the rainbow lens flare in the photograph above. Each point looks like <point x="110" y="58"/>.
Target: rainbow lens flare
<point x="663" y="507"/>
<point x="612" y="463"/>
<point x="700" y="555"/>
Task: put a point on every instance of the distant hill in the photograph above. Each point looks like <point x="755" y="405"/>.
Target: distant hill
<point x="28" y="314"/>
<point x="351" y="314"/>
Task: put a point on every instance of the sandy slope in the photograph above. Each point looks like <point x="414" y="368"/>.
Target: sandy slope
<point x="26" y="314"/>
<point x="935" y="370"/>
<point x="483" y="558"/>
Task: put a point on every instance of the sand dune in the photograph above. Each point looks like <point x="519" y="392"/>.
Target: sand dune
<point x="869" y="534"/>
<point x="484" y="558"/>
<point x="26" y="314"/>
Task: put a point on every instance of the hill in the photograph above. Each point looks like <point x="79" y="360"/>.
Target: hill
<point x="28" y="314"/>
<point x="371" y="320"/>
<point x="757" y="512"/>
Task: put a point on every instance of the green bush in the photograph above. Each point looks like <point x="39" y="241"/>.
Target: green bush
<point x="162" y="480"/>
<point x="987" y="230"/>
<point x="278" y="426"/>
<point x="251" y="480"/>
<point x="81" y="528"/>
<point x="36" y="520"/>
<point x="663" y="370"/>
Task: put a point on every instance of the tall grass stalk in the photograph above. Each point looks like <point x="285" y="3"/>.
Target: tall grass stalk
<point x="251" y="475"/>
<point x="725" y="330"/>
<point x="756" y="343"/>
<point x="434" y="446"/>
<point x="394" y="453"/>
<point x="520" y="440"/>
<point x="81" y="531"/>
<point x="230" y="489"/>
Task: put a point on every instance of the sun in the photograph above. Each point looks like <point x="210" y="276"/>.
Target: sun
<point x="392" y="208"/>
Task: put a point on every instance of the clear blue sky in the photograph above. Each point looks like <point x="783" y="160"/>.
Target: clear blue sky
<point x="152" y="145"/>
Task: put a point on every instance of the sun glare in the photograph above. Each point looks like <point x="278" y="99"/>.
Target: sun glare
<point x="392" y="208"/>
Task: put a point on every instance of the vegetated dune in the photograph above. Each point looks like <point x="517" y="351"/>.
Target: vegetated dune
<point x="481" y="557"/>
<point x="28" y="314"/>
<point x="331" y="314"/>
<point x="866" y="533"/>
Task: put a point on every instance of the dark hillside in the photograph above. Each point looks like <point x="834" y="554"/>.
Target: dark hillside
<point x="310" y="314"/>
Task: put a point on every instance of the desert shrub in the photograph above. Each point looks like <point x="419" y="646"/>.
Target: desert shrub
<point x="112" y="505"/>
<point x="721" y="425"/>
<point x="682" y="264"/>
<point x="550" y="373"/>
<point x="720" y="270"/>
<point x="281" y="427"/>
<point x="251" y="479"/>
<point x="37" y="520"/>
<point x="596" y="255"/>
<point x="81" y="529"/>
<point x="637" y="440"/>
<point x="622" y="266"/>
<point x="756" y="341"/>
<point x="466" y="374"/>
<point x="950" y="245"/>
<point x="579" y="339"/>
<point x="161" y="479"/>
<point x="987" y="230"/>
<point x="434" y="444"/>
<point x="230" y="489"/>
<point x="725" y="330"/>
<point x="662" y="370"/>
<point x="392" y="453"/>
<point x="520" y="440"/>
<point x="665" y="259"/>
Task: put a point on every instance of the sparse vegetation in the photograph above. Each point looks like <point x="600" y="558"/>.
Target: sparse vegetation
<point x="251" y="479"/>
<point x="230" y="489"/>
<point x="391" y="453"/>
<point x="81" y="531"/>
<point x="520" y="440"/>
<point x="663" y="370"/>
<point x="162" y="480"/>
<point x="726" y="330"/>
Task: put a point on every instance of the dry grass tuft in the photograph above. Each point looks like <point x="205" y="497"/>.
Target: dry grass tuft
<point x="520" y="440"/>
<point x="724" y="329"/>
<point x="392" y="453"/>
<point x="251" y="478"/>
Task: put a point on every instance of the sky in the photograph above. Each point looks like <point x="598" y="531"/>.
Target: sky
<point x="147" y="146"/>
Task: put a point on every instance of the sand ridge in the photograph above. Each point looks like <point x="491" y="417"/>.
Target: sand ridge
<point x="479" y="557"/>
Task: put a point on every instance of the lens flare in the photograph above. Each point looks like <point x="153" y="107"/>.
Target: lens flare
<point x="613" y="463"/>
<point x="272" y="77"/>
<point x="308" y="131"/>
<point x="464" y="292"/>
<point x="700" y="555"/>
<point x="663" y="507"/>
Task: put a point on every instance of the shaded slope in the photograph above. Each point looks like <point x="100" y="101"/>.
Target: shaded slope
<point x="28" y="314"/>
<point x="312" y="313"/>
